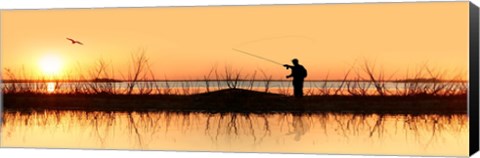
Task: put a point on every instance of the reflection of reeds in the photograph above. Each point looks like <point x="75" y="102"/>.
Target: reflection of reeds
<point x="144" y="127"/>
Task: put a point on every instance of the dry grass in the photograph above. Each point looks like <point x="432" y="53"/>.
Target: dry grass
<point x="363" y="80"/>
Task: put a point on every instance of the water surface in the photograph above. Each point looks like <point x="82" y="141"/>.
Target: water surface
<point x="425" y="134"/>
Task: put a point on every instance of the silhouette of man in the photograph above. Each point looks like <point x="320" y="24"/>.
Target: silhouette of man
<point x="298" y="73"/>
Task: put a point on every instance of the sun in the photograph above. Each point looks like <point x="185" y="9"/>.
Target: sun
<point x="50" y="65"/>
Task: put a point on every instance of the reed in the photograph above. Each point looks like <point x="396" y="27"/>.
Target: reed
<point x="363" y="80"/>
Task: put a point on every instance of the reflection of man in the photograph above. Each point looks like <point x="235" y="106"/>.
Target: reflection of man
<point x="300" y="127"/>
<point x="298" y="74"/>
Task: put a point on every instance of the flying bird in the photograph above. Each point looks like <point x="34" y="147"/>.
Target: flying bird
<point x="74" y="41"/>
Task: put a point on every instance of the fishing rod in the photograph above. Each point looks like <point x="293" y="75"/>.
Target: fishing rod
<point x="256" y="56"/>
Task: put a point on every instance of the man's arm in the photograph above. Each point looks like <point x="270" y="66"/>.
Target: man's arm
<point x="287" y="66"/>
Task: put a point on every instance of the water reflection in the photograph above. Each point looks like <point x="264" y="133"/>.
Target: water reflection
<point x="277" y="132"/>
<point x="51" y="87"/>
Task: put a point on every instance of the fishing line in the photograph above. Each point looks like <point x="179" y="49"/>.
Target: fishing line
<point x="259" y="57"/>
<point x="269" y="38"/>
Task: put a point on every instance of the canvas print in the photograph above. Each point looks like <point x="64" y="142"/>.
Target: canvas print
<point x="374" y="78"/>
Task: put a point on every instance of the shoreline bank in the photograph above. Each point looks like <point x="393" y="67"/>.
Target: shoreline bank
<point x="237" y="100"/>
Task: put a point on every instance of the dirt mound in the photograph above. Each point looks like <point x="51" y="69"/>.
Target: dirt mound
<point x="237" y="93"/>
<point x="239" y="99"/>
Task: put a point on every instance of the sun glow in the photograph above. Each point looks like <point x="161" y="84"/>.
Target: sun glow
<point x="50" y="65"/>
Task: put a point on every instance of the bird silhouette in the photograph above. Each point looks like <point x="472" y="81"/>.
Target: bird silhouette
<point x="74" y="41"/>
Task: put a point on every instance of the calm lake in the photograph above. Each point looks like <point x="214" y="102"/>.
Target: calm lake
<point x="408" y="134"/>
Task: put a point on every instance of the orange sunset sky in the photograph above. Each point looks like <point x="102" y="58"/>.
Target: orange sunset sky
<point x="185" y="42"/>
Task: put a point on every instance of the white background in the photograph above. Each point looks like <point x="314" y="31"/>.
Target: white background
<point x="73" y="153"/>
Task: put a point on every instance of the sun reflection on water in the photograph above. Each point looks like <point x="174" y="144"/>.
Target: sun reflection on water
<point x="51" y="87"/>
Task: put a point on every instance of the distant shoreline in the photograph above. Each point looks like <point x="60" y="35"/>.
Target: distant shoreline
<point x="238" y="100"/>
